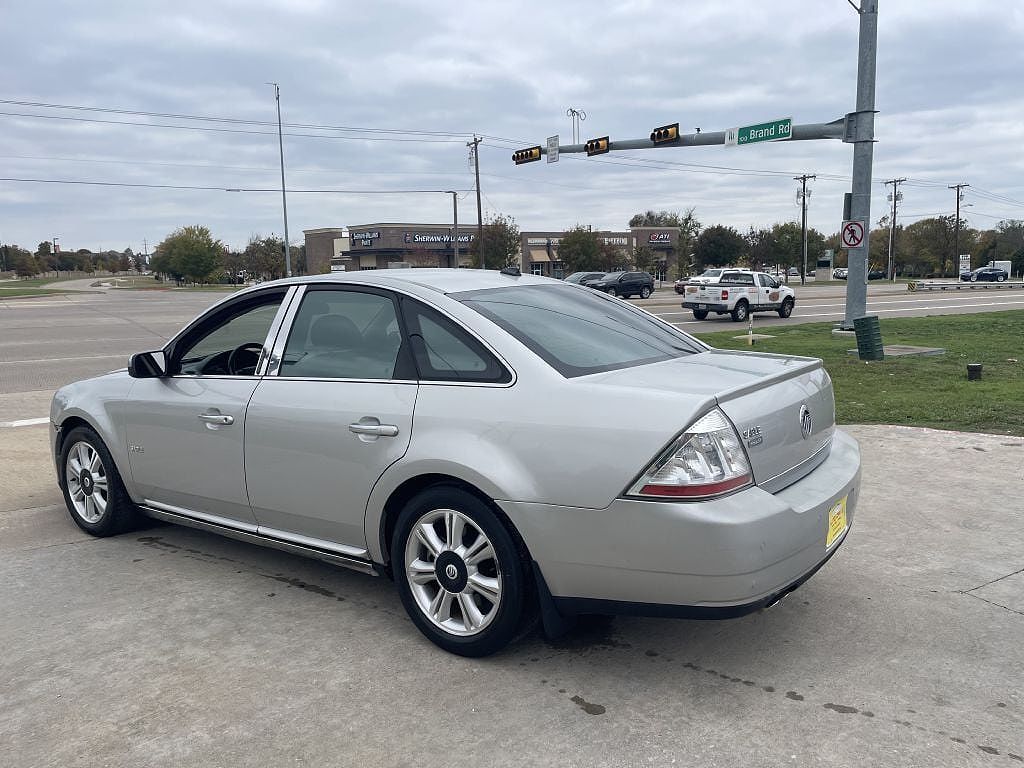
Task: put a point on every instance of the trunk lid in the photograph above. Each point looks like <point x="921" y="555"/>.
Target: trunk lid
<point x="769" y="398"/>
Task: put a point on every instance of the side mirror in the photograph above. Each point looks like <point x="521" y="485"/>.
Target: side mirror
<point x="147" y="365"/>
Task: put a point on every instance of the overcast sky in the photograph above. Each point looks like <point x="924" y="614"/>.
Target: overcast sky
<point x="426" y="74"/>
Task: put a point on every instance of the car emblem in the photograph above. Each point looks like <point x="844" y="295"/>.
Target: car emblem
<point x="806" y="423"/>
<point x="451" y="571"/>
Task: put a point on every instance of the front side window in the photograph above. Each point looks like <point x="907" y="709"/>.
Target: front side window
<point x="343" y="334"/>
<point x="579" y="332"/>
<point x="231" y="342"/>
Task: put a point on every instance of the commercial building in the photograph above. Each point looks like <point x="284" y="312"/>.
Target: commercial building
<point x="376" y="246"/>
<point x="540" y="250"/>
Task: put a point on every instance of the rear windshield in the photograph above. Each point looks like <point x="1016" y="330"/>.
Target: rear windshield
<point x="577" y="331"/>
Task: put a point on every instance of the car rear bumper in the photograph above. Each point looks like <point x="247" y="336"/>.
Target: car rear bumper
<point x="716" y="558"/>
<point x="705" y="306"/>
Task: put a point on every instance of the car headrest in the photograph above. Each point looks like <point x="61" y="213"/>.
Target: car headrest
<point x="334" y="332"/>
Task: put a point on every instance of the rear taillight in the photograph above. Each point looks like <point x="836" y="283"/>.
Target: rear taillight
<point x="725" y="295"/>
<point x="707" y="460"/>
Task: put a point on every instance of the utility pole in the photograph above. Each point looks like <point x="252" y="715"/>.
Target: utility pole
<point x="284" y="199"/>
<point x="475" y="144"/>
<point x="455" y="217"/>
<point x="956" y="229"/>
<point x="892" y="226"/>
<point x="803" y="220"/>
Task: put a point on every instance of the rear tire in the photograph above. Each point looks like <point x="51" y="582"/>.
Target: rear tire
<point x="740" y="311"/>
<point x="999" y="278"/>
<point x="974" y="278"/>
<point x="700" y="314"/>
<point x="93" y="490"/>
<point x="459" y="572"/>
<point x="786" y="309"/>
<point x="645" y="292"/>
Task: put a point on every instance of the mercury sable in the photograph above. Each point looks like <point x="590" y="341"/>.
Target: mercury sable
<point x="451" y="430"/>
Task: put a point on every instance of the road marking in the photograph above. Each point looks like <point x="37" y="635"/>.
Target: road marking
<point x="67" y="359"/>
<point x="25" y="422"/>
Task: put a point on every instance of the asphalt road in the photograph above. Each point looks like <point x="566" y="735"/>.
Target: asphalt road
<point x="172" y="647"/>
<point x="827" y="303"/>
<point x="49" y="341"/>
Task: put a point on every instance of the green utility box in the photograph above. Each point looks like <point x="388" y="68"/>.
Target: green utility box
<point x="869" y="338"/>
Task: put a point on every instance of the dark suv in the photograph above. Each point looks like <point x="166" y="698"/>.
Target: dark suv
<point x="624" y="284"/>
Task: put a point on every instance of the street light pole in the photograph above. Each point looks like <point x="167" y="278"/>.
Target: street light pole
<point x="455" y="217"/>
<point x="803" y="220"/>
<point x="284" y="198"/>
<point x="956" y="229"/>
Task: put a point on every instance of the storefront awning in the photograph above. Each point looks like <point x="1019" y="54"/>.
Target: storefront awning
<point x="539" y="254"/>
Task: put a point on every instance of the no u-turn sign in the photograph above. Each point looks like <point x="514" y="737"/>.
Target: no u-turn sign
<point x="852" y="234"/>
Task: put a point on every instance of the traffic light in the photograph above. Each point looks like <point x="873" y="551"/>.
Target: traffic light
<point x="530" y="155"/>
<point x="597" y="146"/>
<point x="667" y="134"/>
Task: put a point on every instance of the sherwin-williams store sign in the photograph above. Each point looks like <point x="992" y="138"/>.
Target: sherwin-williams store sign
<point x="435" y="238"/>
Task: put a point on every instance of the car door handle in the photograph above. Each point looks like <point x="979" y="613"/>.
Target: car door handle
<point x="377" y="430"/>
<point x="217" y="418"/>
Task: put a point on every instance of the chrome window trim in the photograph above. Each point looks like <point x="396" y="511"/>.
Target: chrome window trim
<point x="283" y="331"/>
<point x="275" y="328"/>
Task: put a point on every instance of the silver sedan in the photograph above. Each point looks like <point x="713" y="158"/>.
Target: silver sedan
<point x="507" y="448"/>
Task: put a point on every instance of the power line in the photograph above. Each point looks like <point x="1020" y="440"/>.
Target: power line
<point x="232" y="189"/>
<point x="236" y="120"/>
<point x="208" y="129"/>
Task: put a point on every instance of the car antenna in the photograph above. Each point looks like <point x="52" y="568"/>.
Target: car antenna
<point x="511" y="272"/>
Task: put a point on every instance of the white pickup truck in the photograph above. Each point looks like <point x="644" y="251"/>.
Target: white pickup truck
<point x="739" y="293"/>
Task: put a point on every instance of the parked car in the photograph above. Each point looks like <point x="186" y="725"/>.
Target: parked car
<point x="793" y="272"/>
<point x="436" y="427"/>
<point x="876" y="274"/>
<point x="985" y="274"/>
<point x="624" y="284"/>
<point x="839" y="273"/>
<point x="582" y="277"/>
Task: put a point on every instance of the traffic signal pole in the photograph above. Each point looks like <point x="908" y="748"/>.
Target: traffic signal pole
<point x="860" y="131"/>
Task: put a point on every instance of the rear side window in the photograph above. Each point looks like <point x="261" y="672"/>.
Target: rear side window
<point x="445" y="352"/>
<point x="578" y="332"/>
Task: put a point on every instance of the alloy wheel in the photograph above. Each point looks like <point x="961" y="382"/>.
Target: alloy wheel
<point x="452" y="570"/>
<point x="88" y="485"/>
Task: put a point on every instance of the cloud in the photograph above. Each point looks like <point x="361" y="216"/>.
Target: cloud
<point x="947" y="94"/>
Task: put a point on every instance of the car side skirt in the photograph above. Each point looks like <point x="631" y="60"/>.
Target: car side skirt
<point x="356" y="564"/>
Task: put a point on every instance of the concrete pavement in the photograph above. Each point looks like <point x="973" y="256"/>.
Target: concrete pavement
<point x="168" y="646"/>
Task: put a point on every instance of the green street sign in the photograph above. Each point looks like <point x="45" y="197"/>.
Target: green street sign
<point x="776" y="130"/>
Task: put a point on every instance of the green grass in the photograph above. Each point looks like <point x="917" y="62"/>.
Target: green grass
<point x="917" y="391"/>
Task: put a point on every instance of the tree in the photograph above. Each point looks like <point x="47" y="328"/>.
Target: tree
<point x="190" y="252"/>
<point x="720" y="246"/>
<point x="23" y="263"/>
<point x="580" y="251"/>
<point x="499" y="242"/>
<point x="265" y="257"/>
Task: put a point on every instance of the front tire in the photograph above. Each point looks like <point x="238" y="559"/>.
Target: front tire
<point x="459" y="573"/>
<point x="645" y="292"/>
<point x="786" y="309"/>
<point x="974" y="278"/>
<point x="93" y="490"/>
<point x="999" y="278"/>
<point x="613" y="292"/>
<point x="740" y="311"/>
<point x="700" y="314"/>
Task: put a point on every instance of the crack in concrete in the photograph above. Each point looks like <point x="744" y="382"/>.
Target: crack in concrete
<point x="972" y="589"/>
